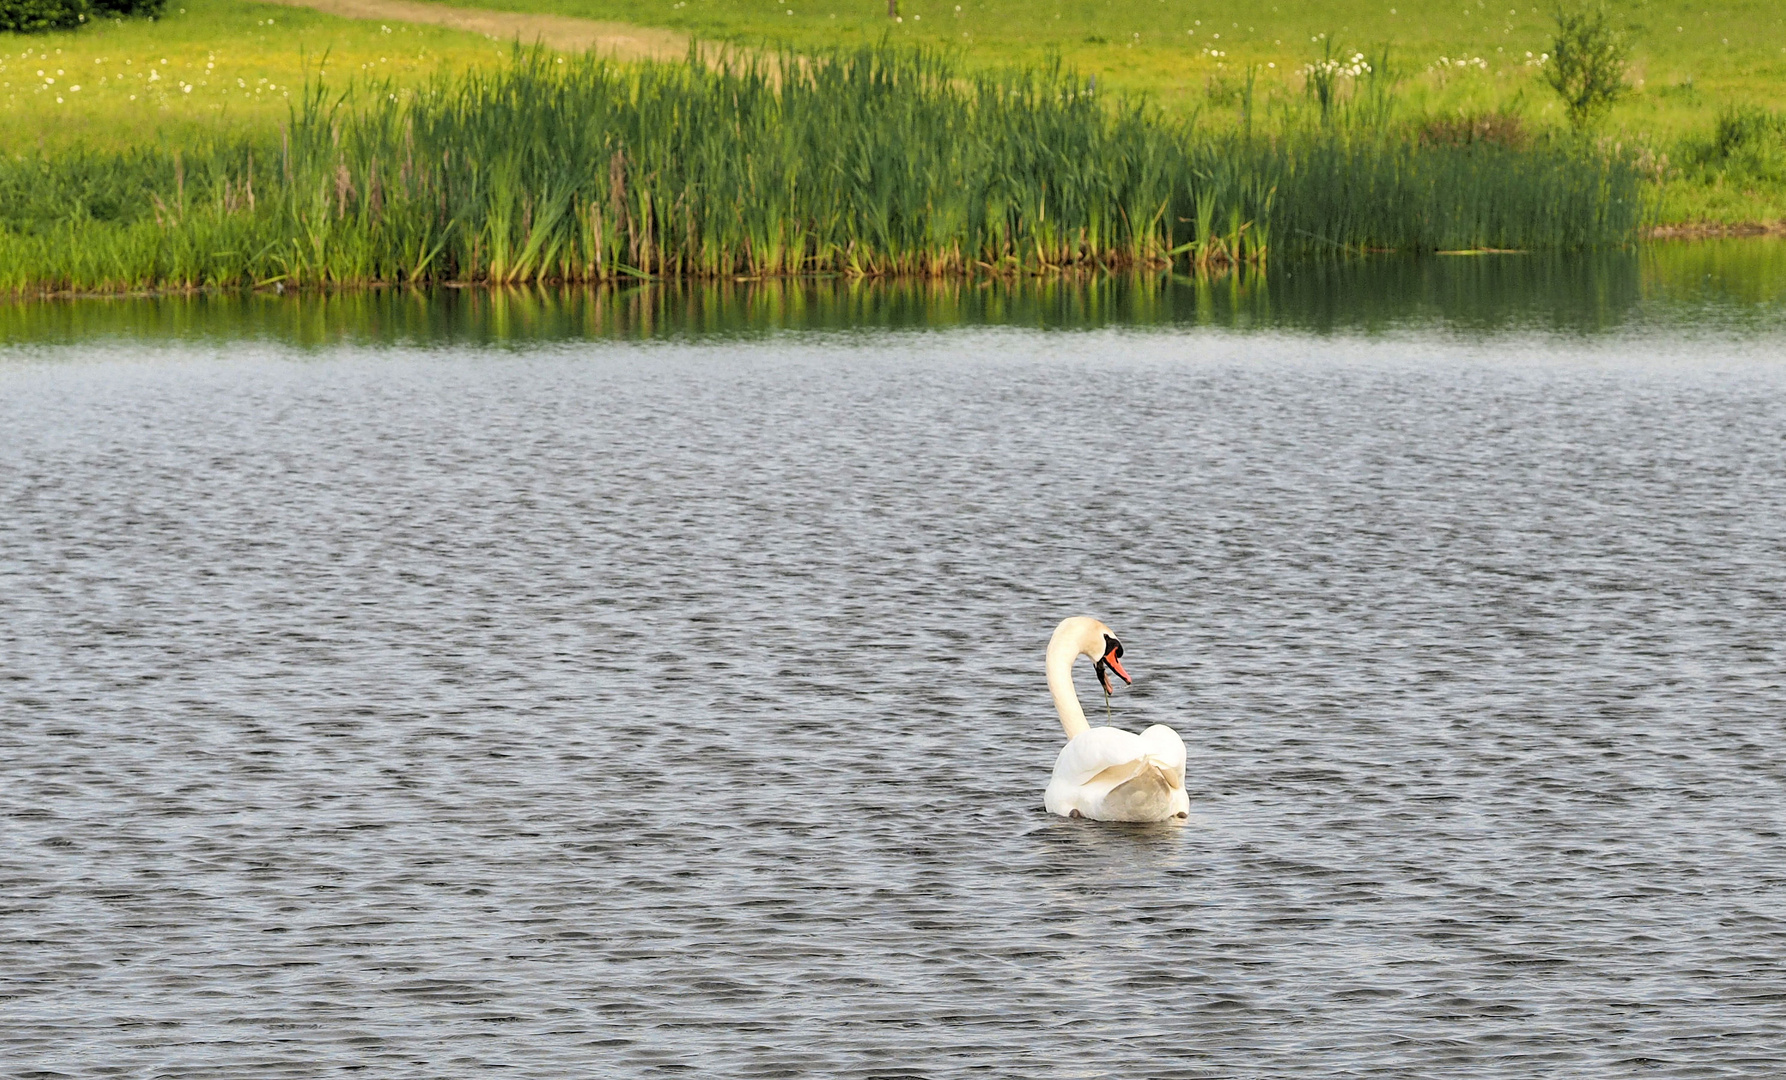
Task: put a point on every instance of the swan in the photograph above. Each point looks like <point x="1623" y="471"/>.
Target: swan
<point x="1105" y="773"/>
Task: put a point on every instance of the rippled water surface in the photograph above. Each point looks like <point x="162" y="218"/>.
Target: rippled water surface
<point x="634" y="709"/>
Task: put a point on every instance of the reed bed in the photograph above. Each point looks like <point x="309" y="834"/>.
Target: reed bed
<point x="870" y="162"/>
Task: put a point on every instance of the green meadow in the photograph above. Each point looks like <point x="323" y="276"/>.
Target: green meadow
<point x="209" y="68"/>
<point x="1691" y="57"/>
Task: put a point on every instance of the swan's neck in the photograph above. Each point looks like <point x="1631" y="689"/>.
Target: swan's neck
<point x="1062" y="651"/>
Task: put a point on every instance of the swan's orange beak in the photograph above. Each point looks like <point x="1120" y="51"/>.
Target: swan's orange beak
<point x="1108" y="664"/>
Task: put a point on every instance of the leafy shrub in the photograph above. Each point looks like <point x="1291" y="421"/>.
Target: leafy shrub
<point x="1497" y="128"/>
<point x="35" y="16"/>
<point x="1222" y="92"/>
<point x="1748" y="129"/>
<point x="1587" y="65"/>
<point x="149" y="8"/>
<point x="1747" y="146"/>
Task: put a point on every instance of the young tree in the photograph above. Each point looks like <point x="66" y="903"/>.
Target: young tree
<point x="1587" y="65"/>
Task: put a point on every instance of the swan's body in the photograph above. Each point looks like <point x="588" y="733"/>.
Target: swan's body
<point x="1105" y="773"/>
<point x="1108" y="774"/>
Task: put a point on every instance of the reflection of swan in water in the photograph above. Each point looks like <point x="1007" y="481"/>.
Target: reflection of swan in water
<point x="1105" y="773"/>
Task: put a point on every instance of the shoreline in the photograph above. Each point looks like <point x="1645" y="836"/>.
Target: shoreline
<point x="1660" y="234"/>
<point x="1712" y="230"/>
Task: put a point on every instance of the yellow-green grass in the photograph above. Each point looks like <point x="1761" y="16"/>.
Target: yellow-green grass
<point x="1691" y="55"/>
<point x="209" y="67"/>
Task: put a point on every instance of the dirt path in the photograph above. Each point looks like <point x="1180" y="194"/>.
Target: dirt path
<point x="618" y="40"/>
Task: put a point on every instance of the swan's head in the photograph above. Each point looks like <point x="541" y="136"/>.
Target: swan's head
<point x="1089" y="637"/>
<point x="1110" y="660"/>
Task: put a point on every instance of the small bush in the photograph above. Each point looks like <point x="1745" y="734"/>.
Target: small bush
<point x="148" y="8"/>
<point x="1745" y="148"/>
<point x="36" y="16"/>
<point x="1496" y="128"/>
<point x="1587" y="65"/>
<point x="1748" y="129"/>
<point x="1222" y="92"/>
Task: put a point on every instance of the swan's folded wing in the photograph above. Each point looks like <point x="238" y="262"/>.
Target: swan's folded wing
<point x="1091" y="752"/>
<point x="1163" y="744"/>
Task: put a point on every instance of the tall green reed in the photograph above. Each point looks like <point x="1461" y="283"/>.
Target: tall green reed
<point x="869" y="162"/>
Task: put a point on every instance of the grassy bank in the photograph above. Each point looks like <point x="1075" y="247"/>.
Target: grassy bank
<point x="871" y="162"/>
<point x="1696" y="63"/>
<point x="1702" y="72"/>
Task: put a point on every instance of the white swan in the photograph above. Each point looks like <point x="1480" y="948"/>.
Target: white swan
<point x="1105" y="773"/>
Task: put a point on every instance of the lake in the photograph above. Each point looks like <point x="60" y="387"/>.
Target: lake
<point x="650" y="682"/>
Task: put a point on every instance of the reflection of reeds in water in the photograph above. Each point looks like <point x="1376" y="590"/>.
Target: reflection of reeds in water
<point x="1734" y="283"/>
<point x="623" y="311"/>
<point x="869" y="163"/>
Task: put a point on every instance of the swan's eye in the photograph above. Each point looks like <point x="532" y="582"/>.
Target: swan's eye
<point x="1111" y="645"/>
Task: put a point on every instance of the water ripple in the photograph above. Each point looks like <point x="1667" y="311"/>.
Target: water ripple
<point x="663" y="710"/>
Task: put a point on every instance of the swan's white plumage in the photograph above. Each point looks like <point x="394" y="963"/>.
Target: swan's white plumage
<point x="1105" y="773"/>
<point x="1094" y="765"/>
<point x="1104" y="748"/>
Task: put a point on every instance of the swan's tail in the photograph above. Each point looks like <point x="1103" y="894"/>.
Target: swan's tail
<point x="1146" y="796"/>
